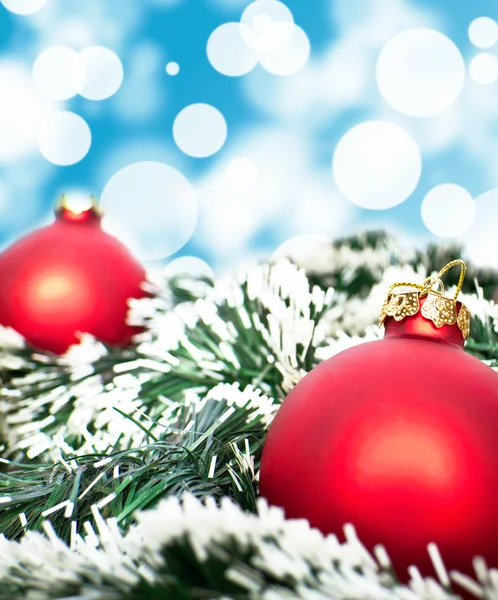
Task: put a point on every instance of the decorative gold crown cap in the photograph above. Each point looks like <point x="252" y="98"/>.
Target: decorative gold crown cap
<point x="437" y="307"/>
<point x="78" y="204"/>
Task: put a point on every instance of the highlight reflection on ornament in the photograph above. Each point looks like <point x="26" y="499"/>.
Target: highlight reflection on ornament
<point x="60" y="292"/>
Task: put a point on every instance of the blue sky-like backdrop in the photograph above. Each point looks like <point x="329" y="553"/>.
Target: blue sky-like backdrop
<point x="221" y="129"/>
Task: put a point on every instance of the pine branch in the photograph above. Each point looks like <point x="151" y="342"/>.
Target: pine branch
<point x="352" y="265"/>
<point x="259" y="331"/>
<point x="210" y="447"/>
<point x="188" y="550"/>
<point x="154" y="421"/>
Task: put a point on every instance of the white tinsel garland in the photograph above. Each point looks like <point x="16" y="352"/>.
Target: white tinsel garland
<point x="265" y="555"/>
<point x="93" y="423"/>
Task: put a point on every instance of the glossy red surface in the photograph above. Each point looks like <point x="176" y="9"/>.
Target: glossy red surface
<point x="398" y="437"/>
<point x="66" y="278"/>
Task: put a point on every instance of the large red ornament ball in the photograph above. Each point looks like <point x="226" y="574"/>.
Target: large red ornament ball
<point x="66" y="278"/>
<point x="398" y="437"/>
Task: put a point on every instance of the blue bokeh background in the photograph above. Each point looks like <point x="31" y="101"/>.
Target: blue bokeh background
<point x="136" y="123"/>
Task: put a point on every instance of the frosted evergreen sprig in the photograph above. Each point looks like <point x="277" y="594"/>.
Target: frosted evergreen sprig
<point x="173" y="419"/>
<point x="259" y="329"/>
<point x="187" y="549"/>
<point x="57" y="403"/>
<point x="210" y="446"/>
<point x="483" y="339"/>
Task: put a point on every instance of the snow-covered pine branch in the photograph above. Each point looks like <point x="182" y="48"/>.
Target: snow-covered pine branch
<point x="185" y="548"/>
<point x="209" y="445"/>
<point x="258" y="329"/>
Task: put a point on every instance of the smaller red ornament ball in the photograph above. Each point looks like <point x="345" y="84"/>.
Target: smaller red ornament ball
<point x="67" y="278"/>
<point x="398" y="437"/>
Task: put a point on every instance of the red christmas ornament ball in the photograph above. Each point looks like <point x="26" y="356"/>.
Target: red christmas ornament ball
<point x="67" y="278"/>
<point x="398" y="437"/>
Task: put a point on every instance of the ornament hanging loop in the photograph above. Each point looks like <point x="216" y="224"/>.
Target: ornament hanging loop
<point x="436" y="307"/>
<point x="429" y="283"/>
<point x="463" y="269"/>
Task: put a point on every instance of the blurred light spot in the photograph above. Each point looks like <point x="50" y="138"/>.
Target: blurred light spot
<point x="4" y="196"/>
<point x="269" y="25"/>
<point x="200" y="130"/>
<point x="377" y="165"/>
<point x="483" y="32"/>
<point x="242" y="173"/>
<point x="303" y="249"/>
<point x="58" y="73"/>
<point x="228" y="51"/>
<point x="480" y="240"/>
<point x="448" y="210"/>
<point x="172" y="68"/>
<point x="321" y="209"/>
<point x="483" y="68"/>
<point x="282" y="97"/>
<point x="22" y="110"/>
<point x="289" y="59"/>
<point x="103" y="73"/>
<point x="24" y="7"/>
<point x="420" y="72"/>
<point x="236" y="223"/>
<point x="64" y="138"/>
<point x="71" y="31"/>
<point x="190" y="266"/>
<point x="262" y="24"/>
<point x="150" y="206"/>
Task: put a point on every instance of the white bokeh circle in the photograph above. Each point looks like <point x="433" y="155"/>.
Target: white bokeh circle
<point x="103" y="73"/>
<point x="24" y="7"/>
<point x="200" y="130"/>
<point x="242" y="173"/>
<point x="172" y="68"/>
<point x="152" y="207"/>
<point x="269" y="25"/>
<point x="377" y="165"/>
<point x="4" y="198"/>
<point x="291" y="58"/>
<point x="448" y="210"/>
<point x="58" y="73"/>
<point x="190" y="266"/>
<point x="483" y="68"/>
<point x="22" y="110"/>
<point x="480" y="241"/>
<point x="483" y="32"/>
<point x="420" y="72"/>
<point x="321" y="198"/>
<point x="228" y="51"/>
<point x="303" y="249"/>
<point x="64" y="138"/>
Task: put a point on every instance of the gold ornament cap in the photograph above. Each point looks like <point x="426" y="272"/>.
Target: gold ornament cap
<point x="432" y="304"/>
<point x="78" y="209"/>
